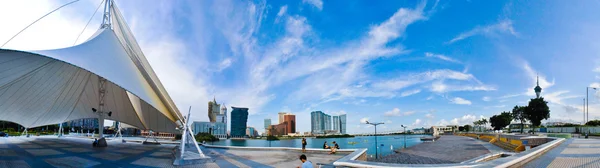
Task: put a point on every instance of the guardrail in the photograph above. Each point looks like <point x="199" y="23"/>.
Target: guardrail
<point x="499" y="159"/>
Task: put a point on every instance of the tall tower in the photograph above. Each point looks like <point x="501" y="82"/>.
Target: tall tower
<point x="537" y="88"/>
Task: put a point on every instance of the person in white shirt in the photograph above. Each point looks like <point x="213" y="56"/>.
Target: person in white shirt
<point x="305" y="163"/>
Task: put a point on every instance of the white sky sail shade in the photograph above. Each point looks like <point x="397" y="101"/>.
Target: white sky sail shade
<point x="53" y="86"/>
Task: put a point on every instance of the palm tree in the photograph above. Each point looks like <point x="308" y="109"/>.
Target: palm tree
<point x="484" y="122"/>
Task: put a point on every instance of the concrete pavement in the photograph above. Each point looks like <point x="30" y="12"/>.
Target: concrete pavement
<point x="574" y="152"/>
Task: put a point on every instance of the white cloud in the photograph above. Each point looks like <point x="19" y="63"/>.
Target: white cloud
<point x="364" y="120"/>
<point x="441" y="87"/>
<point x="466" y="119"/>
<point x="417" y="122"/>
<point x="388" y="121"/>
<point x="429" y="115"/>
<point x="396" y="112"/>
<point x="410" y="92"/>
<point x="597" y="70"/>
<point x="393" y="112"/>
<point x="225" y="64"/>
<point x="282" y="11"/>
<point x="486" y="98"/>
<point x="458" y="100"/>
<point x="442" y="57"/>
<point x="504" y="26"/>
<point x="317" y="3"/>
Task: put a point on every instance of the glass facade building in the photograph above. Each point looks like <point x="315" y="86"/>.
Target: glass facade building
<point x="343" y="124"/>
<point x="217" y="129"/>
<point x="319" y="122"/>
<point x="239" y="119"/>
<point x="336" y="123"/>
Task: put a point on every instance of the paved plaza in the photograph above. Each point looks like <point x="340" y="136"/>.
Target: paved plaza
<point x="574" y="152"/>
<point x="448" y="149"/>
<point x="17" y="152"/>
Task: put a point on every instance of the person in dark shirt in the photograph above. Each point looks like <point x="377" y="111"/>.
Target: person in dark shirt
<point x="334" y="148"/>
<point x="303" y="145"/>
<point x="325" y="146"/>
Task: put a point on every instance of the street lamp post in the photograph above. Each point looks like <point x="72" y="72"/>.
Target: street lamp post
<point x="587" y="99"/>
<point x="375" y="124"/>
<point x="404" y="135"/>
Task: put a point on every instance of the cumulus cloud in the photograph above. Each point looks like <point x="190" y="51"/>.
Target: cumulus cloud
<point x="417" y="122"/>
<point x="466" y="119"/>
<point x="504" y="26"/>
<point x="364" y="120"/>
<point x="458" y="100"/>
<point x="396" y="112"/>
<point x="486" y="98"/>
<point x="429" y="115"/>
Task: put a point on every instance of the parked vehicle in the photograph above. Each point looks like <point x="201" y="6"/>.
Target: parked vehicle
<point x="3" y="134"/>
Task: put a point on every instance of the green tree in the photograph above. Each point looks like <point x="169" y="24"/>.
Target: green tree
<point x="593" y="123"/>
<point x="468" y="128"/>
<point x="501" y="121"/>
<point x="484" y="122"/>
<point x="476" y="123"/>
<point x="518" y="114"/>
<point x="536" y="111"/>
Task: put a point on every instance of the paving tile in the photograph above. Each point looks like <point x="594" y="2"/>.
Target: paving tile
<point x="132" y="151"/>
<point x="161" y="154"/>
<point x="109" y="156"/>
<point x="7" y="152"/>
<point x="29" y="146"/>
<point x="43" y="152"/>
<point x="2" y="146"/>
<point x="78" y="150"/>
<point x="71" y="161"/>
<point x="561" y="162"/>
<point x="581" y="151"/>
<point x="14" y="163"/>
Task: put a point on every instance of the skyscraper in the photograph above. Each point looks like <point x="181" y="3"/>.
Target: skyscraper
<point x="343" y="124"/>
<point x="267" y="122"/>
<point x="239" y="119"/>
<point x="290" y="121"/>
<point x="213" y="110"/>
<point x="327" y="122"/>
<point x="281" y="116"/>
<point x="336" y="123"/>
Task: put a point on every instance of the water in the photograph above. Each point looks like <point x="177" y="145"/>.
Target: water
<point x="397" y="141"/>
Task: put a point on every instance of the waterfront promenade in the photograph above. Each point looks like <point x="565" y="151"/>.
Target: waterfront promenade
<point x="447" y="149"/>
<point x="17" y="152"/>
<point x="574" y="152"/>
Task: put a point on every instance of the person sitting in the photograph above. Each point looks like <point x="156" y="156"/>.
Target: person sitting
<point x="95" y="142"/>
<point x="325" y="146"/>
<point x="305" y="163"/>
<point x="334" y="148"/>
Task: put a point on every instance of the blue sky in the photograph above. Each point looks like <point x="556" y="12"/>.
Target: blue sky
<point x="416" y="63"/>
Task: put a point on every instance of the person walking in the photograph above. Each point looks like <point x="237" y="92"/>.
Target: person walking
<point x="303" y="145"/>
<point x="305" y="162"/>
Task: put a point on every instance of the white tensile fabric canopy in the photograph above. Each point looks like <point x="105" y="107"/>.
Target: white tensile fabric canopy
<point x="53" y="86"/>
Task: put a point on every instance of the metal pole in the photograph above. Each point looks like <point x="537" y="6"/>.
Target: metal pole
<point x="405" y="137"/>
<point x="587" y="102"/>
<point x="583" y="111"/>
<point x="375" y="141"/>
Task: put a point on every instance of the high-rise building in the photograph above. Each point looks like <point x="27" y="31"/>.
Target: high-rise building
<point x="239" y="119"/>
<point x="86" y="123"/>
<point x="319" y="122"/>
<point x="343" y="124"/>
<point x="251" y="132"/>
<point x="290" y="122"/>
<point x="267" y="124"/>
<point x="327" y="122"/>
<point x="213" y="110"/>
<point x="217" y="129"/>
<point x="281" y="116"/>
<point x="336" y="123"/>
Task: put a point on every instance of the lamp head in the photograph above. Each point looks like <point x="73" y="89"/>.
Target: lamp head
<point x="110" y="113"/>
<point x="94" y="110"/>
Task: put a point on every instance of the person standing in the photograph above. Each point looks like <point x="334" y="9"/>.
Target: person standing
<point x="305" y="162"/>
<point x="303" y="145"/>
